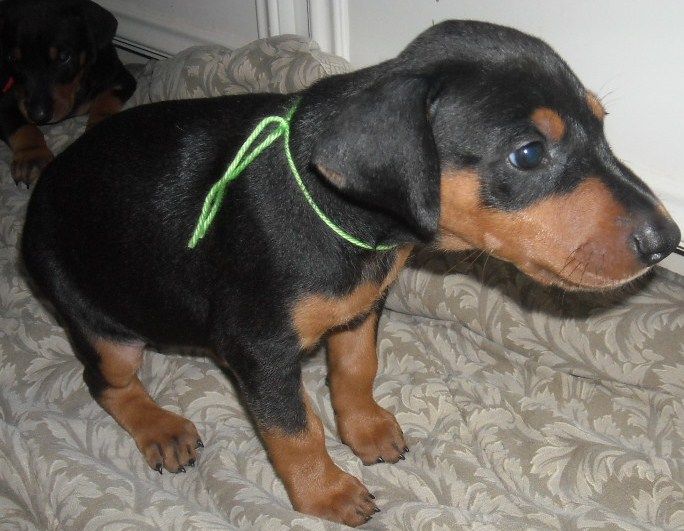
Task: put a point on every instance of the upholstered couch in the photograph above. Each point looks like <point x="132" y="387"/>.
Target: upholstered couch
<point x="523" y="407"/>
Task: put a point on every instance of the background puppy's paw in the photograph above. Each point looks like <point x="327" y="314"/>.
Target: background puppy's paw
<point x="28" y="164"/>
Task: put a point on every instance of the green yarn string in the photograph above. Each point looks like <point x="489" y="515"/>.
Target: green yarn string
<point x="244" y="158"/>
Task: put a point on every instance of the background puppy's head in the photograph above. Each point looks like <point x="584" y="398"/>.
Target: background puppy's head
<point x="47" y="46"/>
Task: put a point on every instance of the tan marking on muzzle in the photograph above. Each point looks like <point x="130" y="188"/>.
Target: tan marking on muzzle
<point x="578" y="240"/>
<point x="64" y="97"/>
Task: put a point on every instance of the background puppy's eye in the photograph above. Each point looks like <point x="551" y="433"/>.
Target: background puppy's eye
<point x="527" y="157"/>
<point x="64" y="56"/>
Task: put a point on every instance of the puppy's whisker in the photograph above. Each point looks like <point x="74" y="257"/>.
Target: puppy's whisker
<point x="482" y="273"/>
<point x="568" y="261"/>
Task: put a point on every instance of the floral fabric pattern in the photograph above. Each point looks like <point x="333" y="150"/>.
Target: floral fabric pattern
<point x="524" y="408"/>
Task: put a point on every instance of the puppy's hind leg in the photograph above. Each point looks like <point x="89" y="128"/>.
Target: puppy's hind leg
<point x="165" y="439"/>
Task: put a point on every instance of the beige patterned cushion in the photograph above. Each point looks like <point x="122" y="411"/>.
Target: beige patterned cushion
<point x="532" y="408"/>
<point x="282" y="64"/>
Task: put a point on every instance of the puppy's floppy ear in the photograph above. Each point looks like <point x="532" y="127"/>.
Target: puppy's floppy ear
<point x="101" y="25"/>
<point x="380" y="151"/>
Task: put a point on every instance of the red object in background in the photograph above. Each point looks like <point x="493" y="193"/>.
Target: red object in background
<point x="8" y="85"/>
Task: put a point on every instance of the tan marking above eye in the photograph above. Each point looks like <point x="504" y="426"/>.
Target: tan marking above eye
<point x="64" y="97"/>
<point x="53" y="52"/>
<point x="597" y="108"/>
<point x="550" y="123"/>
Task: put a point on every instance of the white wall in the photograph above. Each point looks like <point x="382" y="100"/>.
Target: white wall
<point x="160" y="28"/>
<point x="630" y="52"/>
<point x="170" y="26"/>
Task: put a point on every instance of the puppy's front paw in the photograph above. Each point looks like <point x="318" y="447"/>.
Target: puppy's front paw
<point x="28" y="164"/>
<point x="336" y="496"/>
<point x="373" y="434"/>
<point x="166" y="440"/>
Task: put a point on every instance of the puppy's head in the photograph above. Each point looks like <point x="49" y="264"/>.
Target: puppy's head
<point x="47" y="45"/>
<point x="479" y="136"/>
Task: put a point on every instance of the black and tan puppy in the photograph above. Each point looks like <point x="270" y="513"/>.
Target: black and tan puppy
<point x="58" y="61"/>
<point x="475" y="136"/>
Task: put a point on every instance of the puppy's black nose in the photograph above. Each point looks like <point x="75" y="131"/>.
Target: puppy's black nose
<point x="654" y="239"/>
<point x="38" y="114"/>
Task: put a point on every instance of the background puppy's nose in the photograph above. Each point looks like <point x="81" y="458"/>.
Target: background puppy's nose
<point x="655" y="238"/>
<point x="38" y="113"/>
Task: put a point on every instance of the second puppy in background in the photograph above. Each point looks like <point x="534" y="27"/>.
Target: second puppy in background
<point x="58" y="62"/>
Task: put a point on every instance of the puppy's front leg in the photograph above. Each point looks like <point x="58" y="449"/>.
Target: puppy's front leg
<point x="294" y="439"/>
<point x="369" y="430"/>
<point x="30" y="154"/>
<point x="29" y="150"/>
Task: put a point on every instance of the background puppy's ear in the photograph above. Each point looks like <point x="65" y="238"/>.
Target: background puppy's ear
<point x="101" y="25"/>
<point x="380" y="151"/>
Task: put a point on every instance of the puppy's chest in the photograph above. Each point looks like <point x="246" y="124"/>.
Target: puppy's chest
<point x="315" y="313"/>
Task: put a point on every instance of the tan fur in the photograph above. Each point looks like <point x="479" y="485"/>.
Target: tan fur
<point x="27" y="137"/>
<point x="593" y="251"/>
<point x="313" y="482"/>
<point x="315" y="314"/>
<point x="30" y="153"/>
<point x="64" y="97"/>
<point x="596" y="106"/>
<point x="103" y="106"/>
<point x="550" y="123"/>
<point x="369" y="430"/>
<point x="161" y="436"/>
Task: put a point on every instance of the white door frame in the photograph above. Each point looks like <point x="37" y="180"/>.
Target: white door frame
<point x="325" y="21"/>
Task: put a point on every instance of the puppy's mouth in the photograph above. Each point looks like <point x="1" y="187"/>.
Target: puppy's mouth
<point x="584" y="269"/>
<point x="578" y="279"/>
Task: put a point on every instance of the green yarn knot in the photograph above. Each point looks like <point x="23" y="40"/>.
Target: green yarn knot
<point x="244" y="158"/>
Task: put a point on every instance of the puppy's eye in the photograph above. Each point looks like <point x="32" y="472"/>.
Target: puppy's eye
<point x="64" y="56"/>
<point x="527" y="157"/>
